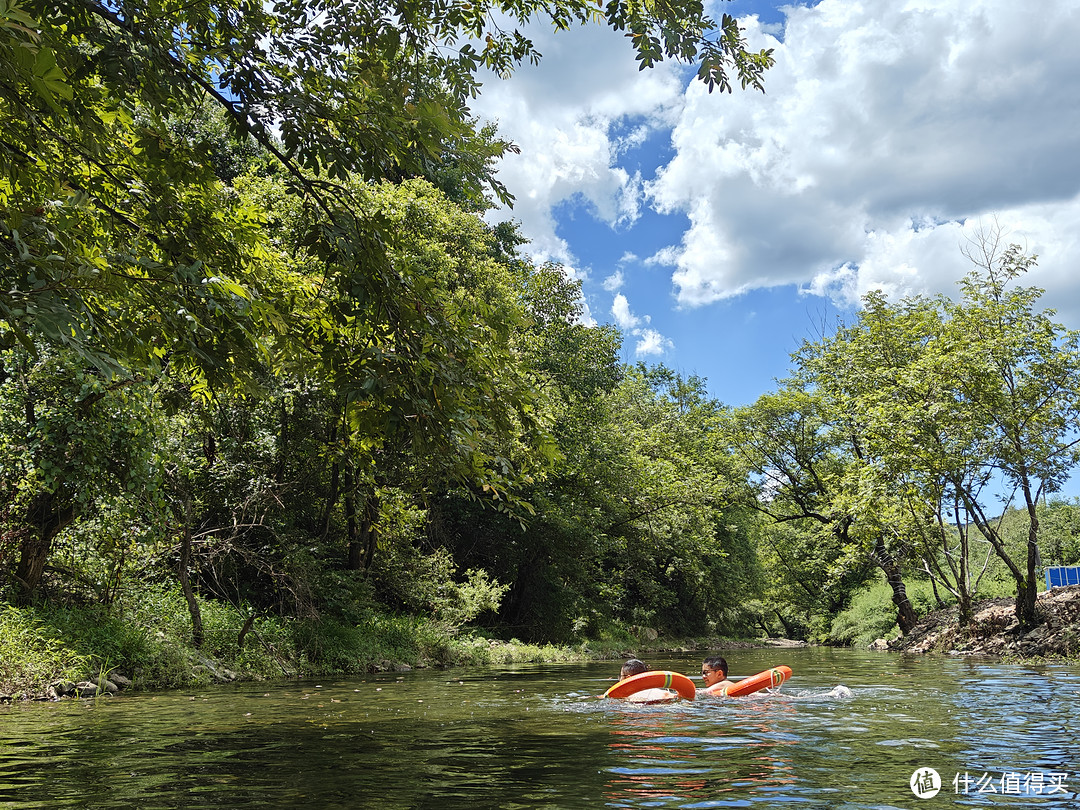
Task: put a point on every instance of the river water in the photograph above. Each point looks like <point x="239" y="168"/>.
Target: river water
<point x="531" y="736"/>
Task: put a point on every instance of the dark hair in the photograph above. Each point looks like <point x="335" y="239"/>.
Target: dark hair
<point x="716" y="663"/>
<point x="634" y="666"/>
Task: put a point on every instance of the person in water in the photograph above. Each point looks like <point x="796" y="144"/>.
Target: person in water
<point x="635" y="666"/>
<point x="714" y="673"/>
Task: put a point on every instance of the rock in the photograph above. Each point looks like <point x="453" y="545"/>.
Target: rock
<point x="1037" y="634"/>
<point x="120" y="680"/>
<point x="210" y="666"/>
<point x="646" y="633"/>
<point x="784" y="642"/>
<point x="62" y="688"/>
<point x="880" y="645"/>
<point x="86" y="689"/>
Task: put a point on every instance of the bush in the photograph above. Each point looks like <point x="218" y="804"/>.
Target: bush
<point x="871" y="616"/>
<point x="31" y="656"/>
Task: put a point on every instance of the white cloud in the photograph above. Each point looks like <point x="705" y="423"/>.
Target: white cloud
<point x="888" y="132"/>
<point x="652" y="343"/>
<point x="614" y="282"/>
<point x="884" y="127"/>
<point x="624" y="318"/>
<point x="568" y="115"/>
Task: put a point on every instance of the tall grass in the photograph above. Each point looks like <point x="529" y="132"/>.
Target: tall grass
<point x="30" y="656"/>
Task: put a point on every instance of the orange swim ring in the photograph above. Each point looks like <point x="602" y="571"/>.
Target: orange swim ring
<point x="770" y="678"/>
<point x="656" y="679"/>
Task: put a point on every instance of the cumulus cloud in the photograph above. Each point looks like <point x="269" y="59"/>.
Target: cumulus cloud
<point x="888" y="135"/>
<point x="614" y="282"/>
<point x="652" y="343"/>
<point x="573" y="115"/>
<point x="885" y="132"/>
<point x="624" y="318"/>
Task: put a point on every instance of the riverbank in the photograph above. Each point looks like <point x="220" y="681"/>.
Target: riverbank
<point x="995" y="631"/>
<point x="47" y="653"/>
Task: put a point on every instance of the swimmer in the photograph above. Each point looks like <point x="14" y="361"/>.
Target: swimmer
<point x="635" y="666"/>
<point x="714" y="673"/>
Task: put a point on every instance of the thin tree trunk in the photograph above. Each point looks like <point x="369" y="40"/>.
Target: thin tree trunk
<point x="283" y="443"/>
<point x="356" y="552"/>
<point x="335" y="488"/>
<point x="789" y="629"/>
<point x="370" y="529"/>
<point x="197" y="632"/>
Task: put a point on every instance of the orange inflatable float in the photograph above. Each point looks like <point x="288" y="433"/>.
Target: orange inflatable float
<point x="657" y="679"/>
<point x="768" y="679"/>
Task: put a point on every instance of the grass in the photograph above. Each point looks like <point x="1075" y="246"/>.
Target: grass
<point x="146" y="635"/>
<point x="30" y="657"/>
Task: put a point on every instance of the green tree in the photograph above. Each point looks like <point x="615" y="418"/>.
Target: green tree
<point x="805" y="459"/>
<point x="71" y="443"/>
<point x="959" y="403"/>
<point x="120" y="242"/>
<point x="1019" y="384"/>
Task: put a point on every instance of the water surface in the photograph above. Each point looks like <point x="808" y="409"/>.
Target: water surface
<point x="537" y="736"/>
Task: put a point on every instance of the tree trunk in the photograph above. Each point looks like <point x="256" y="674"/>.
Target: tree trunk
<point x="905" y="613"/>
<point x="283" y="443"/>
<point x="370" y="529"/>
<point x="335" y="489"/>
<point x="789" y="629"/>
<point x="356" y="552"/>
<point x="1025" y="604"/>
<point x="46" y="520"/>
<point x="964" y="610"/>
<point x="197" y="632"/>
<point x="1025" y="597"/>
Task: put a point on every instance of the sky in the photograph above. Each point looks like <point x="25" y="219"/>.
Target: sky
<point x="719" y="231"/>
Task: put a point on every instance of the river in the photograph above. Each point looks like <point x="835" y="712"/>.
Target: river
<point x="529" y="736"/>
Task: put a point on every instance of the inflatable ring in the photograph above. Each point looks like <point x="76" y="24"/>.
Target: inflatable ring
<point x="755" y="683"/>
<point x="658" y="679"/>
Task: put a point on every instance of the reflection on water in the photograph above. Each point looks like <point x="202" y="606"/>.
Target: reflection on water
<point x="537" y="736"/>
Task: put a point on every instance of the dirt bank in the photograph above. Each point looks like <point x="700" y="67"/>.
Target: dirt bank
<point x="995" y="630"/>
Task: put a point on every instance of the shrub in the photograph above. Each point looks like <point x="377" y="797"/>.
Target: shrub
<point x="871" y="616"/>
<point x="30" y="655"/>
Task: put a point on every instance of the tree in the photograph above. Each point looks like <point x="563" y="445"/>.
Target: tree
<point x="120" y="242"/>
<point x="1019" y="384"/>
<point x="71" y="441"/>
<point x="805" y="459"/>
<point x="958" y="402"/>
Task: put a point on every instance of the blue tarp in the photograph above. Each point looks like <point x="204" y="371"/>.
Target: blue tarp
<point x="1061" y="575"/>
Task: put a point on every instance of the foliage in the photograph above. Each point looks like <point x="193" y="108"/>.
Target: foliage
<point x="30" y="656"/>
<point x="267" y="376"/>
<point x="869" y="618"/>
<point x="957" y="400"/>
<point x="123" y="244"/>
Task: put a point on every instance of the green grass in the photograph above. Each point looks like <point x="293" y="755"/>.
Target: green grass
<point x="31" y="657"/>
<point x="146" y="635"/>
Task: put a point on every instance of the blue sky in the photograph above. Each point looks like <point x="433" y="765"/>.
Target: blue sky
<point x="719" y="231"/>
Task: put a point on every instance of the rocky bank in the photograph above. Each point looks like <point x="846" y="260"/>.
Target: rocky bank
<point x="995" y="630"/>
